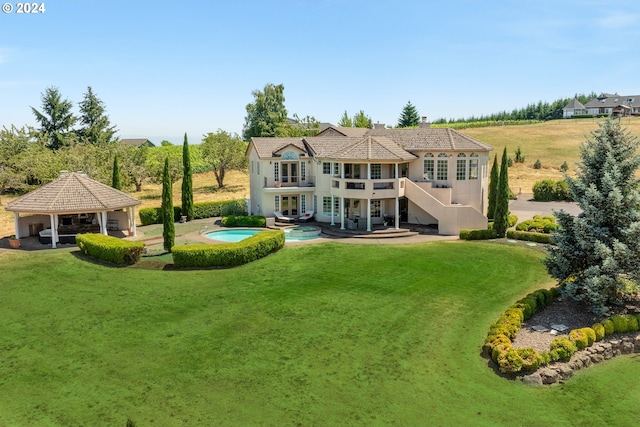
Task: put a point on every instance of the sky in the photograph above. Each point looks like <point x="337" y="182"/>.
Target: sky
<point x="166" y="68"/>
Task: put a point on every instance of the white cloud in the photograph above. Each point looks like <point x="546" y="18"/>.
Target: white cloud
<point x="618" y="20"/>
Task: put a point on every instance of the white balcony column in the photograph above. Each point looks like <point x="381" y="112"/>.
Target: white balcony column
<point x="397" y="221"/>
<point x="368" y="214"/>
<point x="332" y="213"/>
<point x="341" y="213"/>
<point x="396" y="175"/>
<point x="368" y="170"/>
<point x="16" y="224"/>
<point x="341" y="170"/>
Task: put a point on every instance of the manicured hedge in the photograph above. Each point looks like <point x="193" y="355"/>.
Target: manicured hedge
<point x="549" y="190"/>
<point x="539" y="224"/>
<point x="481" y="234"/>
<point x="110" y="249"/>
<point x="529" y="236"/>
<point x="228" y="254"/>
<point x="244" y="221"/>
<point x="200" y="210"/>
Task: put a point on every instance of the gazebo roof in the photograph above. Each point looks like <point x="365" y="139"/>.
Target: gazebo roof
<point x="72" y="193"/>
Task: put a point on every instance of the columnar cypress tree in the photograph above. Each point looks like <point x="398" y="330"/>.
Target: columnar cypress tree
<point x="168" y="225"/>
<point x="501" y="216"/>
<point x="597" y="253"/>
<point x="115" y="177"/>
<point x="187" y="182"/>
<point x="493" y="188"/>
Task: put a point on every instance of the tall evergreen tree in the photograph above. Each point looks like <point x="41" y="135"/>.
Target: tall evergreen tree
<point x="187" y="181"/>
<point x="409" y="116"/>
<point x="501" y="216"/>
<point x="56" y="118"/>
<point x="95" y="127"/>
<point x="597" y="253"/>
<point x="493" y="188"/>
<point x="115" y="176"/>
<point x="168" y="224"/>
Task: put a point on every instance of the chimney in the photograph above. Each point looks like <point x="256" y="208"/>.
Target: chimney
<point x="424" y="123"/>
<point x="378" y="125"/>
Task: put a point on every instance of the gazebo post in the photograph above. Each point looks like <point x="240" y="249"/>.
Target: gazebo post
<point x="104" y="223"/>
<point x="54" y="230"/>
<point x="16" y="224"/>
<point x="133" y="220"/>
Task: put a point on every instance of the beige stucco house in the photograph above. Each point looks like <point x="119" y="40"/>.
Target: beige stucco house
<point x="72" y="204"/>
<point x="360" y="178"/>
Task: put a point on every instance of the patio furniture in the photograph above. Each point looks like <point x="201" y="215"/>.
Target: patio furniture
<point x="280" y="217"/>
<point x="308" y="216"/>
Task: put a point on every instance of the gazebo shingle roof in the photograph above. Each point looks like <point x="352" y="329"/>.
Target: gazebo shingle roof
<point x="72" y="193"/>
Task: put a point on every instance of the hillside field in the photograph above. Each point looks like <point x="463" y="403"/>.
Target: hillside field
<point x="552" y="143"/>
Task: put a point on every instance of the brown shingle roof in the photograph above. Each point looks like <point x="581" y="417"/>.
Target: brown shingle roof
<point x="367" y="148"/>
<point x="266" y="147"/>
<point x="72" y="193"/>
<point x="444" y="139"/>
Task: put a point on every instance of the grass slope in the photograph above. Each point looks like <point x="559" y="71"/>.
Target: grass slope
<point x="323" y="334"/>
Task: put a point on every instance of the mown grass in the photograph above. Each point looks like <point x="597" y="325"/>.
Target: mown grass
<point x="324" y="334"/>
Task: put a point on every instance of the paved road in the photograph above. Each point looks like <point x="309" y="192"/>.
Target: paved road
<point x="525" y="208"/>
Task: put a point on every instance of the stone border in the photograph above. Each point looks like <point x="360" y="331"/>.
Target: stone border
<point x="598" y="352"/>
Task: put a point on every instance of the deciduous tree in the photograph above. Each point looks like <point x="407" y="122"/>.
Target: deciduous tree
<point x="56" y="118"/>
<point x="361" y="120"/>
<point x="597" y="253"/>
<point x="266" y="113"/>
<point x="187" y="181"/>
<point x="224" y="152"/>
<point x="345" y="121"/>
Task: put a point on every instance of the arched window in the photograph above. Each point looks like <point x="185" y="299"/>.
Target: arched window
<point x="461" y="167"/>
<point x="442" y="171"/>
<point x="473" y="166"/>
<point x="289" y="155"/>
<point x="429" y="166"/>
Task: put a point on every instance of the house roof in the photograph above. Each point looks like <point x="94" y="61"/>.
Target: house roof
<point x="574" y="105"/>
<point x="372" y="144"/>
<point x="607" y="100"/>
<point x="137" y="142"/>
<point x="72" y="193"/>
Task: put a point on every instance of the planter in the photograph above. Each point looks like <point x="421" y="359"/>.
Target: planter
<point x="278" y="184"/>
<point x="14" y="243"/>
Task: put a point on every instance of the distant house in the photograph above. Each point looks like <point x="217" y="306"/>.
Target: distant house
<point x="605" y="104"/>
<point x="137" y="142"/>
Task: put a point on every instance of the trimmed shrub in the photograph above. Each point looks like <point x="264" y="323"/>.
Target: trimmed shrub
<point x="609" y="328"/>
<point x="538" y="224"/>
<point x="543" y="191"/>
<point x="591" y="335"/>
<point x="244" y="221"/>
<point x="512" y="219"/>
<point x="579" y="338"/>
<point x="633" y="323"/>
<point x="562" y="348"/>
<point x="201" y="210"/>
<point x="110" y="249"/>
<point x="228" y="255"/>
<point x="620" y="323"/>
<point x="598" y="328"/>
<point x="531" y="360"/>
<point x="510" y="361"/>
<point x="482" y="234"/>
<point x="530" y="236"/>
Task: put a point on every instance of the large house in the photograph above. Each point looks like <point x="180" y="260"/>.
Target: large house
<point x="605" y="104"/>
<point x="360" y="178"/>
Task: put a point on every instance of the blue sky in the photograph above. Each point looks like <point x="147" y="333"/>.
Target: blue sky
<point x="164" y="68"/>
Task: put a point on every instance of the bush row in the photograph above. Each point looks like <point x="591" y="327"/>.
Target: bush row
<point x="228" y="254"/>
<point x="539" y="224"/>
<point x="548" y="190"/>
<point x="244" y="221"/>
<point x="110" y="249"/>
<point x="498" y="344"/>
<point x="200" y="210"/>
<point x="530" y="236"/>
<point x="481" y="234"/>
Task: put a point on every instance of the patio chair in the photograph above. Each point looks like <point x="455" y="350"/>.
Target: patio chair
<point x="308" y="216"/>
<point x="280" y="217"/>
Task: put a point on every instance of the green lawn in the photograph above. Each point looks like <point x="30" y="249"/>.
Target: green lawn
<point x="325" y="334"/>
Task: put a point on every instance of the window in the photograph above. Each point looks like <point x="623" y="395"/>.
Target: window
<point x="303" y="171"/>
<point x="251" y="166"/>
<point x="276" y="171"/>
<point x="429" y="166"/>
<point x="376" y="171"/>
<point x="326" y="206"/>
<point x="276" y="203"/>
<point x="473" y="166"/>
<point x="443" y="167"/>
<point x="303" y="203"/>
<point x="461" y="167"/>
<point x="404" y="170"/>
<point x="375" y="209"/>
<point x="326" y="168"/>
<point x="336" y="169"/>
<point x="258" y="167"/>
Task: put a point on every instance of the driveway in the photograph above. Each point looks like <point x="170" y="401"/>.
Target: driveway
<point x="525" y="207"/>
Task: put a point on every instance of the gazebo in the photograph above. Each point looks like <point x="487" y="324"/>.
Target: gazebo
<point x="72" y="204"/>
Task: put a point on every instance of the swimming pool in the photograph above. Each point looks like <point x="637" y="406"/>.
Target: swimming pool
<point x="294" y="234"/>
